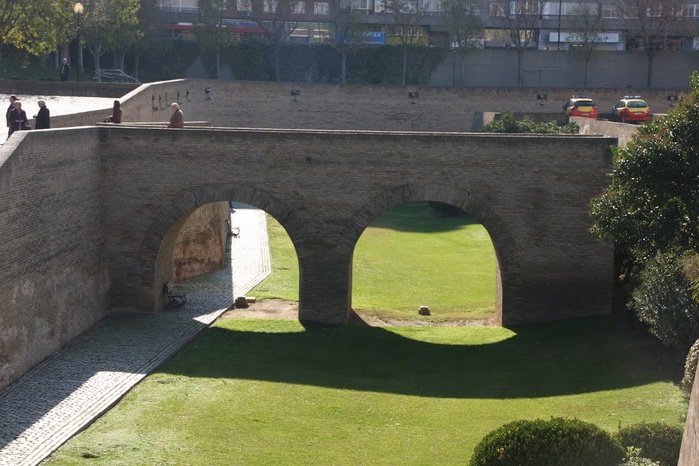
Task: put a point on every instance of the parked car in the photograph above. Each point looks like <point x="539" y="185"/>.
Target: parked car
<point x="581" y="106"/>
<point x="631" y="109"/>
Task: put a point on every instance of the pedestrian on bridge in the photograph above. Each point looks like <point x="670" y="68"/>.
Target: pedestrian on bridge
<point x="177" y="118"/>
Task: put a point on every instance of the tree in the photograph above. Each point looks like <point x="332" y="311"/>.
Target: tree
<point x="275" y="17"/>
<point x="518" y="19"/>
<point x="406" y="15"/>
<point x="347" y="34"/>
<point x="102" y="23"/>
<point x="35" y="26"/>
<point x="655" y="26"/>
<point x="587" y="31"/>
<point x="153" y="39"/>
<point x="652" y="202"/>
<point x="213" y="34"/>
<point x="464" y="25"/>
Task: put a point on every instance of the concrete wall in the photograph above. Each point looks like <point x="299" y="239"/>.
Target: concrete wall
<point x="53" y="258"/>
<point x="622" y="131"/>
<point x="562" y="69"/>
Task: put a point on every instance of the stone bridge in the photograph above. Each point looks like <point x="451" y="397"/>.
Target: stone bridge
<point x="89" y="216"/>
<point x="531" y="193"/>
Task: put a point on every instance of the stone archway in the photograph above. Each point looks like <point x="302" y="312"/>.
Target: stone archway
<point x="160" y="238"/>
<point x="503" y="242"/>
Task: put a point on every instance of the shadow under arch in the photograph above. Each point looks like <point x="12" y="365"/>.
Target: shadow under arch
<point x="503" y="242"/>
<point x="535" y="361"/>
<point x="155" y="255"/>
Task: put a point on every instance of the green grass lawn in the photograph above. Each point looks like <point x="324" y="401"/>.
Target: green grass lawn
<point x="266" y="392"/>
<point x="273" y="392"/>
<point x="409" y="257"/>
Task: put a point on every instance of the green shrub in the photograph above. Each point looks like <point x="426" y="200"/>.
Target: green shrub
<point x="663" y="301"/>
<point x="556" y="442"/>
<point x="508" y="123"/>
<point x="657" y="441"/>
<point x="635" y="459"/>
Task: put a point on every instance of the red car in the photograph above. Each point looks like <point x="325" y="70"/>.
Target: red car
<point x="581" y="106"/>
<point x="631" y="109"/>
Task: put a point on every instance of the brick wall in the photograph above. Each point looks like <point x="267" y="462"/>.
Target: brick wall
<point x="52" y="247"/>
<point x="531" y="193"/>
<point x="201" y="244"/>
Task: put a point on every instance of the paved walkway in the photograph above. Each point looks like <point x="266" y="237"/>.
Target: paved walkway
<point x="66" y="392"/>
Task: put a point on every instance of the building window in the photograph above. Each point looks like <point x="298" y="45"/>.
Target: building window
<point x="525" y="8"/>
<point x="497" y="9"/>
<point x="186" y="6"/>
<point x="610" y="12"/>
<point x="654" y="11"/>
<point x="549" y="10"/>
<point x="270" y="6"/>
<point x="298" y="7"/>
<point x="690" y="11"/>
<point x="321" y="8"/>
<point x="243" y="6"/>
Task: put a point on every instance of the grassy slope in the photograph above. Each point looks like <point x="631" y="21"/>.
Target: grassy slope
<point x="271" y="392"/>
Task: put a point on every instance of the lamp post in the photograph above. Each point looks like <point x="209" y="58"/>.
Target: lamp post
<point x="78" y="9"/>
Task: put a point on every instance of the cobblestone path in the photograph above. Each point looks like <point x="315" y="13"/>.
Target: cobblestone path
<point x="70" y="389"/>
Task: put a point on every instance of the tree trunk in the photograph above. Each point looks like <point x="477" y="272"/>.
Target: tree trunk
<point x="136" y="64"/>
<point x="96" y="52"/>
<point x="520" y="65"/>
<point x="405" y="60"/>
<point x="277" y="70"/>
<point x="343" y="69"/>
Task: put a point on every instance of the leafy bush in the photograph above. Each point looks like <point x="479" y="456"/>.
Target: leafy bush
<point x="555" y="442"/>
<point x="507" y="123"/>
<point x="663" y="300"/>
<point x="635" y="458"/>
<point x="658" y="441"/>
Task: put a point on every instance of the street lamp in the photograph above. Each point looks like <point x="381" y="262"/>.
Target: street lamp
<point x="78" y="9"/>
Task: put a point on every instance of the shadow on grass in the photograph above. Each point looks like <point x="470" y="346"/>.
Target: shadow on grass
<point x="419" y="217"/>
<point x="550" y="359"/>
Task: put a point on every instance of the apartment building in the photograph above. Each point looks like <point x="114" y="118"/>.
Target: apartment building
<point x="611" y="25"/>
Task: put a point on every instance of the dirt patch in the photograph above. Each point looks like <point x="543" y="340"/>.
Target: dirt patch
<point x="282" y="309"/>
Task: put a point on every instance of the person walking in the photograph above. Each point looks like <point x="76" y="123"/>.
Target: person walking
<point x="177" y="118"/>
<point x="116" y="113"/>
<point x="43" y="118"/>
<point x="65" y="70"/>
<point x="18" y="118"/>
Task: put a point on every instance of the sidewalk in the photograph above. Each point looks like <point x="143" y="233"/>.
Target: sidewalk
<point x="70" y="389"/>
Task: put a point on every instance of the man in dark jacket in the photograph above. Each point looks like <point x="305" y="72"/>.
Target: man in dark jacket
<point x="65" y="70"/>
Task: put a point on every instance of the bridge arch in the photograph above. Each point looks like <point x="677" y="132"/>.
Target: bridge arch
<point x="155" y="256"/>
<point x="503" y="242"/>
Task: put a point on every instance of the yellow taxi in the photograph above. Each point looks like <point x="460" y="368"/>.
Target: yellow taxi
<point x="581" y="106"/>
<point x="630" y="109"/>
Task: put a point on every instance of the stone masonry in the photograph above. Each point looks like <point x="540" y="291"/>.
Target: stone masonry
<point x="89" y="216"/>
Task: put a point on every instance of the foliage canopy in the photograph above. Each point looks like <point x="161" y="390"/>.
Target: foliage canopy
<point x="652" y="202"/>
